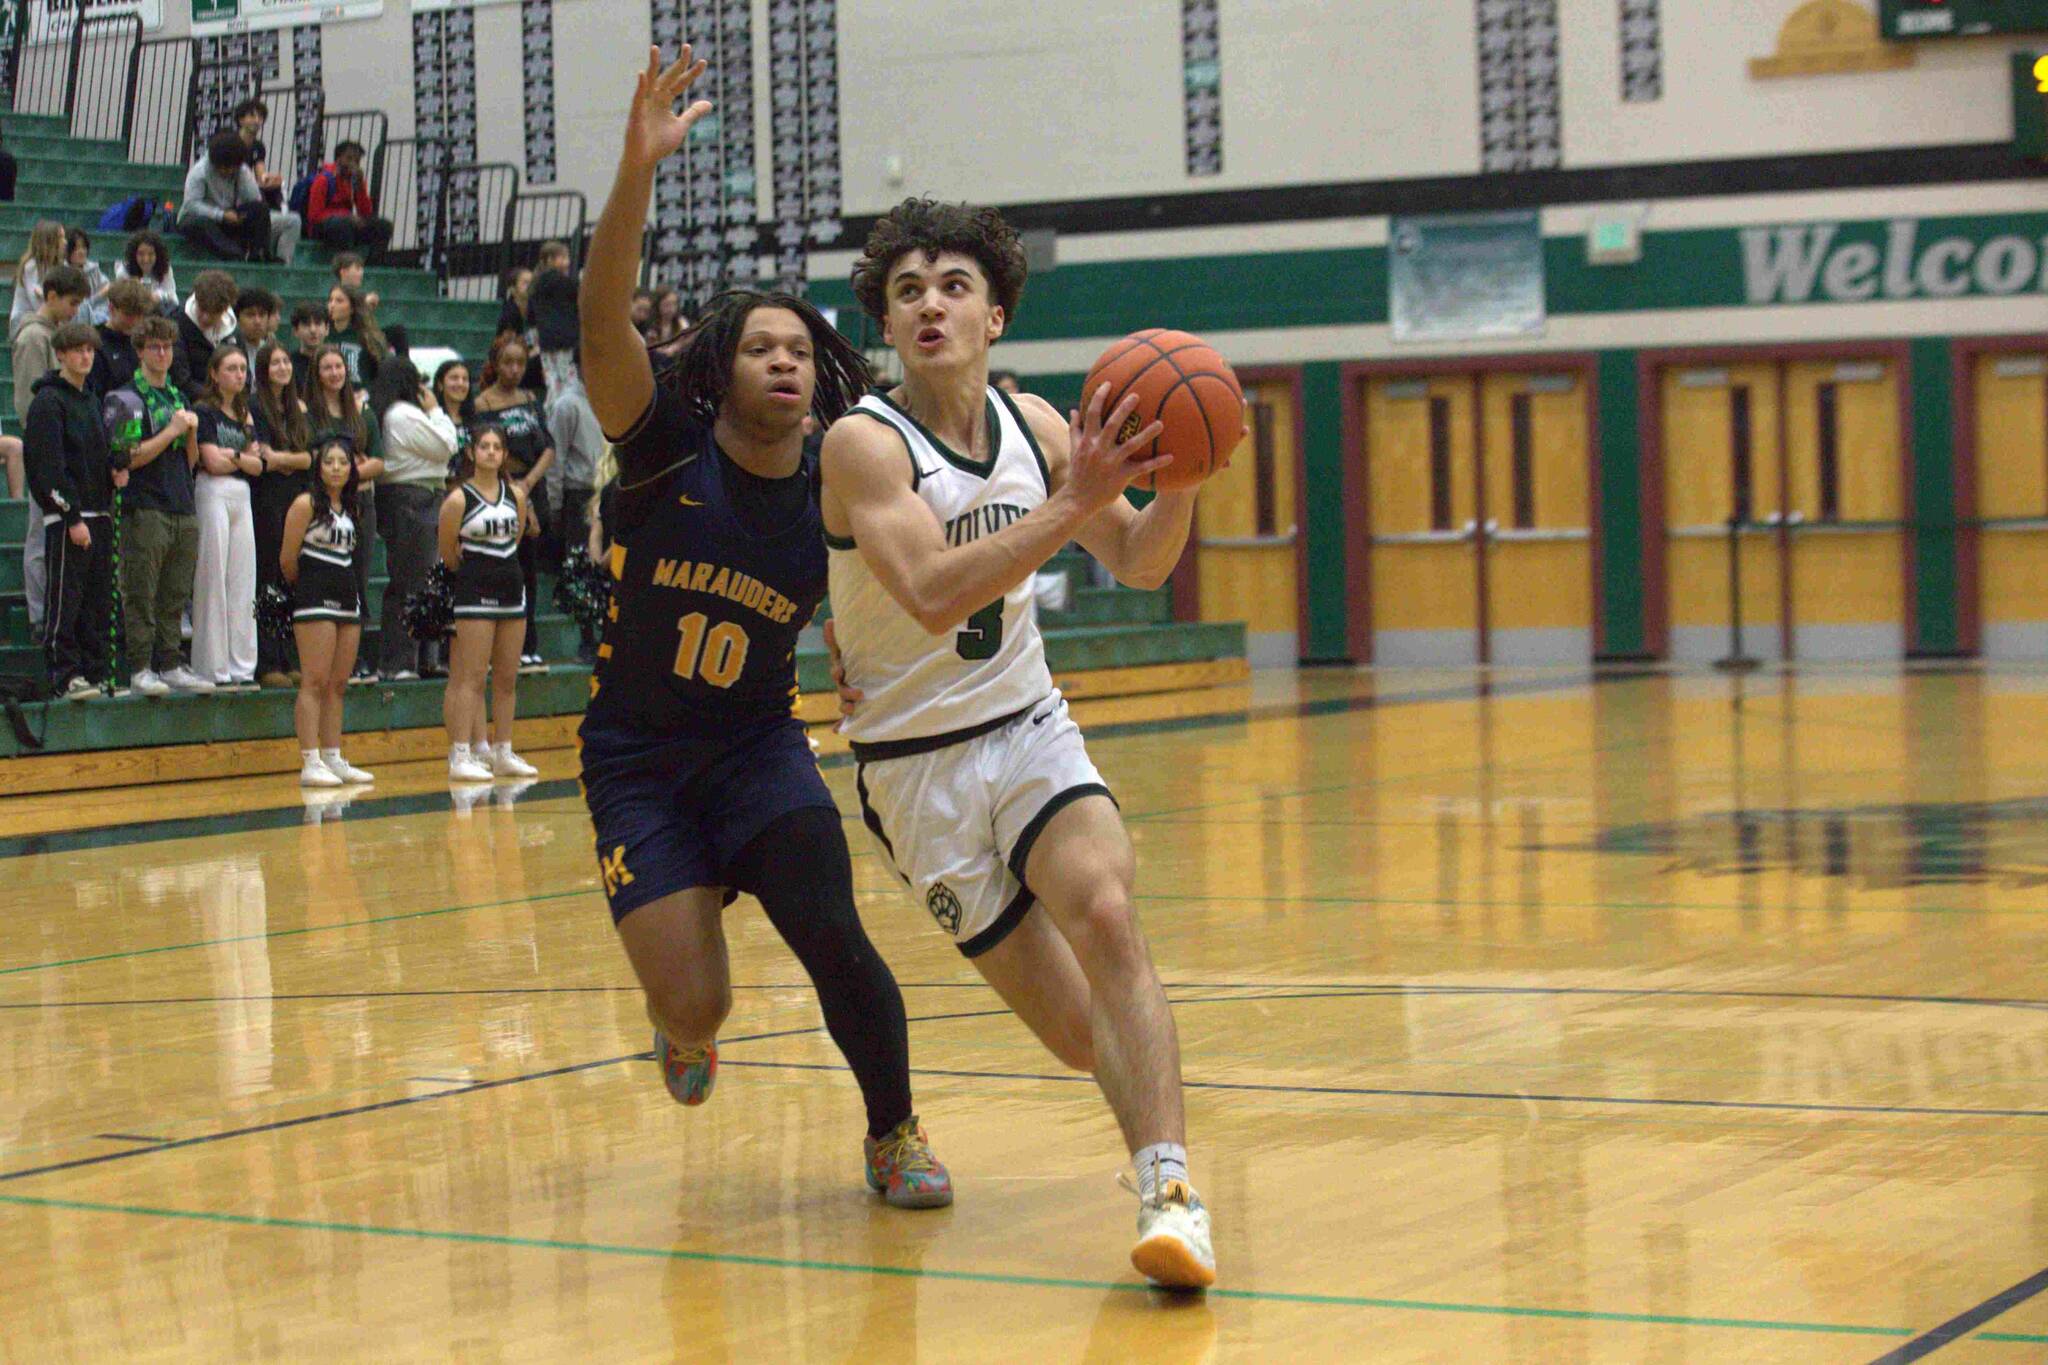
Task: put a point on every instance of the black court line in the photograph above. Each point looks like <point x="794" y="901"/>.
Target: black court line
<point x="127" y="1137"/>
<point x="423" y="803"/>
<point x="1962" y="1324"/>
<point x="1515" y="1096"/>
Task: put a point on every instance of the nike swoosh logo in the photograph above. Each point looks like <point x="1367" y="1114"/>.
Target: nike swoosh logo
<point x="686" y="500"/>
<point x="1040" y="720"/>
<point x="927" y="473"/>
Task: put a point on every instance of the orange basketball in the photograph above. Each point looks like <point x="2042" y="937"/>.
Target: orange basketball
<point x="1181" y="381"/>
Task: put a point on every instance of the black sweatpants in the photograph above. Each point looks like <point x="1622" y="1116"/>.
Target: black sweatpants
<point x="79" y="602"/>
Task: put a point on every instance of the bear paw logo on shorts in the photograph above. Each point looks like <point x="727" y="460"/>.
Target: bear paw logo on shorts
<point x="945" y="907"/>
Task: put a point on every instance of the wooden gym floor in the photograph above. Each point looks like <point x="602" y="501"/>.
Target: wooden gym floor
<point x="1554" y="1019"/>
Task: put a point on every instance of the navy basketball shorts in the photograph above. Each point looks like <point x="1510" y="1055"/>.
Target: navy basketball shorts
<point x="672" y="814"/>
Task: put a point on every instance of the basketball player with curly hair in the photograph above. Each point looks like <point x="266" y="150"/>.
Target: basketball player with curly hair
<point x="939" y="505"/>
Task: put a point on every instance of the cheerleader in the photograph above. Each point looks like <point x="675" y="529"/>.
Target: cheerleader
<point x="482" y="524"/>
<point x="318" y="561"/>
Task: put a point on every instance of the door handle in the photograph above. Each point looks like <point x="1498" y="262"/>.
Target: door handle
<point x="1795" y="518"/>
<point x="1492" y="527"/>
<point x="1773" y="518"/>
<point x="1469" y="531"/>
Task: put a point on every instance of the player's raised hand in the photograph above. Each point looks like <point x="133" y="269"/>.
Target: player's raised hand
<point x="1103" y="455"/>
<point x="653" y="128"/>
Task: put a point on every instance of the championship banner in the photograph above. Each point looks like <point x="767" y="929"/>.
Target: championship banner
<point x="434" y="6"/>
<point x="214" y="17"/>
<point x="1463" y="276"/>
<point x="53" y="19"/>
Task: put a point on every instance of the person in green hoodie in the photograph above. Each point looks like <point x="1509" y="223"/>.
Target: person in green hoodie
<point x="71" y="476"/>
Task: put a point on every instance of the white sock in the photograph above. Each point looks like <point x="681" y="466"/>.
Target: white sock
<point x="311" y="756"/>
<point x="458" y="753"/>
<point x="502" y="747"/>
<point x="333" y="757"/>
<point x="1158" y="1164"/>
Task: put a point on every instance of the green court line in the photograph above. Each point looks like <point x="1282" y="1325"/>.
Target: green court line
<point x="961" y="1276"/>
<point x="2009" y="1336"/>
<point x="1775" y="908"/>
<point x="291" y="933"/>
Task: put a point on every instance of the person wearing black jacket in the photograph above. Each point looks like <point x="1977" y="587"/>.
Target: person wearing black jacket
<point x="128" y="303"/>
<point x="555" y="322"/>
<point x="71" y="476"/>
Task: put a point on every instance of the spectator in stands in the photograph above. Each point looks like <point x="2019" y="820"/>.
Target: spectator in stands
<point x="34" y="358"/>
<point x="145" y="259"/>
<point x="256" y="318"/>
<point x="224" y="583"/>
<point x="354" y="333"/>
<point x="320" y="534"/>
<point x="348" y="270"/>
<point x="250" y="116"/>
<point x="339" y="209"/>
<point x="9" y="170"/>
<point x="223" y="212"/>
<point x="334" y="410"/>
<point x="515" y="289"/>
<point x="419" y="443"/>
<point x="287" y="440"/>
<point x="572" y="479"/>
<point x="553" y="301"/>
<point x="159" y="521"/>
<point x="529" y="451"/>
<point x="1006" y="380"/>
<point x="309" y="328"/>
<point x="78" y="255"/>
<point x="668" y="313"/>
<point x="63" y="293"/>
<point x="128" y="303"/>
<point x="71" y="477"/>
<point x="207" y="320"/>
<point x="454" y="390"/>
<point x="45" y="253"/>
<point x="642" y="312"/>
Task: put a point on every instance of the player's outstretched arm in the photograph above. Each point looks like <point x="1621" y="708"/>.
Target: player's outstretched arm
<point x="868" y="494"/>
<point x="1139" y="547"/>
<point x="616" y="373"/>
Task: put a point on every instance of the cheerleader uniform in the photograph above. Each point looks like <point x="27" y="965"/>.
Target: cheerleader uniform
<point x="326" y="589"/>
<point x="488" y="583"/>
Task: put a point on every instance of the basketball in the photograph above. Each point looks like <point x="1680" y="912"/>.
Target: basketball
<point x="1181" y="381"/>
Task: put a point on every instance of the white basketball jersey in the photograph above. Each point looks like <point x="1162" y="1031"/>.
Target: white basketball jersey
<point x="920" y="685"/>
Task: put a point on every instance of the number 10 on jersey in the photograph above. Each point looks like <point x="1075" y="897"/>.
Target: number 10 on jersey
<point x="717" y="655"/>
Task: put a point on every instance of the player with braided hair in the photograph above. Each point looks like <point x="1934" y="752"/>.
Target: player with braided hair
<point x="699" y="778"/>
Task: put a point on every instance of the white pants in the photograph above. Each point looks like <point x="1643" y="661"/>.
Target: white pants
<point x="224" y="587"/>
<point x="34" y="577"/>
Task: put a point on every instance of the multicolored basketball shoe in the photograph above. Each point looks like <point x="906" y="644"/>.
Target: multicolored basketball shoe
<point x="688" y="1072"/>
<point x="1173" y="1239"/>
<point x="902" y="1169"/>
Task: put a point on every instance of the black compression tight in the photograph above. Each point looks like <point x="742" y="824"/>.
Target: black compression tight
<point x="800" y="870"/>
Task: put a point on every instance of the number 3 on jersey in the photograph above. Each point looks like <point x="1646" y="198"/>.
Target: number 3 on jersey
<point x="717" y="656"/>
<point x="982" y="636"/>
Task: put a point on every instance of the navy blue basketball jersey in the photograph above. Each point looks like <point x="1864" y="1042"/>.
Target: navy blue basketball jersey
<point x="706" y="607"/>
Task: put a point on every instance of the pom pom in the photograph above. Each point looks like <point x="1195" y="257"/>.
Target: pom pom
<point x="430" y="611"/>
<point x="584" y="591"/>
<point x="274" y="612"/>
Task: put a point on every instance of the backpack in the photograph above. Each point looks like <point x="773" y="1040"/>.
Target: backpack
<point x="128" y="215"/>
<point x="302" y="192"/>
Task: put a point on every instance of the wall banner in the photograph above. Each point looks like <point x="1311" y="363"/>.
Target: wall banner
<point x="214" y="17"/>
<point x="1465" y="276"/>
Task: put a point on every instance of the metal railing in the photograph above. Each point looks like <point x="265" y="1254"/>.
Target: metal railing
<point x="470" y="250"/>
<point x="537" y="216"/>
<point x="104" y="53"/>
<point x="160" y="102"/>
<point x="404" y="174"/>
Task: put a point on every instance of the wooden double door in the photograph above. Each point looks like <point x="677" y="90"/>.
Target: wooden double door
<point x="1480" y="531"/>
<point x="1782" y="497"/>
<point x="2009" y="527"/>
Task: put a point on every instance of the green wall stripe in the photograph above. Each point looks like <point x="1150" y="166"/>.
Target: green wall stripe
<point x="1323" y="468"/>
<point x="1621" y="510"/>
<point x="1934" y="511"/>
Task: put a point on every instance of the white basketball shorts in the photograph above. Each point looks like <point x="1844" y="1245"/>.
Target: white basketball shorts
<point x="956" y="815"/>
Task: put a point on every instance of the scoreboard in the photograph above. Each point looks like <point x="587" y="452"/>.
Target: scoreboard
<point x="1960" y="18"/>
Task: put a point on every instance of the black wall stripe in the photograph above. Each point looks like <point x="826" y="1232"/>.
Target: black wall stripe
<point x="310" y="81"/>
<point x="537" y="60"/>
<point x="1642" y="52"/>
<point x="1885" y="168"/>
<point x="804" y="132"/>
<point x="706" y="228"/>
<point x="1201" y="69"/>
